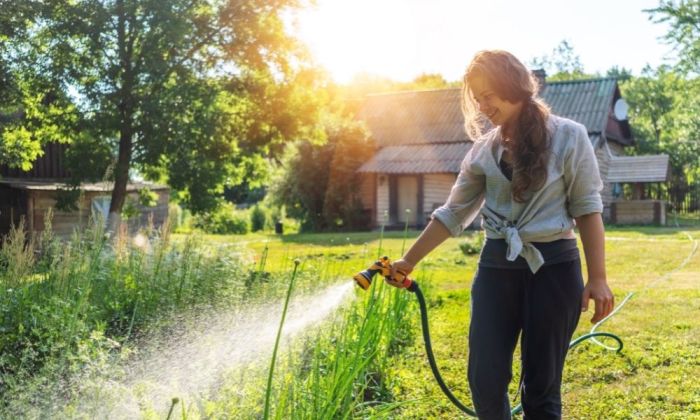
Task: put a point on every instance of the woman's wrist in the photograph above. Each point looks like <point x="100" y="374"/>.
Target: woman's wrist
<point x="410" y="259"/>
<point x="600" y="279"/>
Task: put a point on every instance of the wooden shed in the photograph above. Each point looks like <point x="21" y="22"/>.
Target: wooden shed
<point x="637" y="171"/>
<point x="421" y="143"/>
<point x="29" y="194"/>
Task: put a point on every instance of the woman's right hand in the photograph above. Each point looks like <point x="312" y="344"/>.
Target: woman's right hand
<point x="402" y="266"/>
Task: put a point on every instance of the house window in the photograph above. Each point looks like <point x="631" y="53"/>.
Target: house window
<point x="100" y="206"/>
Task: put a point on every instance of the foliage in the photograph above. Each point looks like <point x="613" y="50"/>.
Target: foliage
<point x="192" y="93"/>
<point x="86" y="297"/>
<point x="664" y="119"/>
<point x="147" y="198"/>
<point x="226" y="219"/>
<point x="561" y="64"/>
<point x="682" y="18"/>
<point x="259" y="218"/>
<point x="365" y="83"/>
<point x="67" y="198"/>
<point x="319" y="184"/>
<point x="473" y="245"/>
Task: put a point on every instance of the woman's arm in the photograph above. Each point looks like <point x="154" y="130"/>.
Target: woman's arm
<point x="592" y="232"/>
<point x="450" y="219"/>
<point x="433" y="235"/>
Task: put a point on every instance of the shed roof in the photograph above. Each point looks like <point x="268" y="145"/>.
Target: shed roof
<point x="421" y="158"/>
<point x="51" y="185"/>
<point x="652" y="168"/>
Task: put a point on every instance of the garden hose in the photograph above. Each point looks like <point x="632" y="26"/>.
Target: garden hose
<point x="433" y="366"/>
<point x="401" y="280"/>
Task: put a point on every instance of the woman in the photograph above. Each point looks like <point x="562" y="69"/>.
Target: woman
<point x="534" y="176"/>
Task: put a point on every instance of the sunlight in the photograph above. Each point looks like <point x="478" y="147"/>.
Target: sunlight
<point x="361" y="36"/>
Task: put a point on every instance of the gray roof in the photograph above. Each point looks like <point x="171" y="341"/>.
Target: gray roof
<point x="423" y="131"/>
<point x="652" y="168"/>
<point x="586" y="101"/>
<point x="418" y="158"/>
<point x="435" y="116"/>
<point x="419" y="117"/>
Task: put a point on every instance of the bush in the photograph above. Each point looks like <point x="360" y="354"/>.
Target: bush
<point x="226" y="220"/>
<point x="259" y="218"/>
<point x="473" y="245"/>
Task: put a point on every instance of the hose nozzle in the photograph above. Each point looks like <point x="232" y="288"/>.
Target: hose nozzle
<point x="383" y="266"/>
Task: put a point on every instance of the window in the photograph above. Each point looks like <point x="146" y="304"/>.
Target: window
<point x="100" y="206"/>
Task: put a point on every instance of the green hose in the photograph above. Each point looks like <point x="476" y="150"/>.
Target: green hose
<point x="591" y="335"/>
<point x="433" y="366"/>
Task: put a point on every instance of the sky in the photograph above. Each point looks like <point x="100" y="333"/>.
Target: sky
<point x="401" y="39"/>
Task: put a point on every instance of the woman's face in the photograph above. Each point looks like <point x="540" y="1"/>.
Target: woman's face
<point x="497" y="110"/>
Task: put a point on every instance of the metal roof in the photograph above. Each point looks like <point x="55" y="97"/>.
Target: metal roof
<point x="419" y="117"/>
<point x="423" y="131"/>
<point x="586" y="101"/>
<point x="422" y="158"/>
<point x="652" y="168"/>
<point x="435" y="116"/>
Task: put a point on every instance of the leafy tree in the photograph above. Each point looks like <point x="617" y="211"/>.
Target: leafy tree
<point x="663" y="114"/>
<point x="190" y="92"/>
<point x="365" y="83"/>
<point x="561" y="64"/>
<point x="622" y="74"/>
<point x="318" y="183"/>
<point x="683" y="18"/>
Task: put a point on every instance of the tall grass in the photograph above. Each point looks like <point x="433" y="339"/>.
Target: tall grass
<point x="67" y="303"/>
<point x="336" y="371"/>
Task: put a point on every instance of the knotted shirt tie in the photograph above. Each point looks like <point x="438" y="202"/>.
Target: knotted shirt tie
<point x="505" y="229"/>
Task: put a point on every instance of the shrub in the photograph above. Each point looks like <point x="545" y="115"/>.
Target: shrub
<point x="226" y="220"/>
<point x="259" y="218"/>
<point x="472" y="246"/>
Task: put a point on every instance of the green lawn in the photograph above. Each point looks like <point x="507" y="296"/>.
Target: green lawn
<point x="654" y="377"/>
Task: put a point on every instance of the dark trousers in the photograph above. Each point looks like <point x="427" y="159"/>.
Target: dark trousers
<point x="545" y="308"/>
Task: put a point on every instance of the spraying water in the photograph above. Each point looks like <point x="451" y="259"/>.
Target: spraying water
<point x="193" y="362"/>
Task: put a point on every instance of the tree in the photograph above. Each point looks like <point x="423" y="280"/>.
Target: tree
<point x="683" y="18"/>
<point x="190" y="92"/>
<point x="622" y="74"/>
<point x="663" y="114"/>
<point x="365" y="83"/>
<point x="561" y="64"/>
<point x="318" y="183"/>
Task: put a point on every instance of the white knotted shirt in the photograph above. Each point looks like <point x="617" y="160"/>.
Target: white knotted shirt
<point x="572" y="189"/>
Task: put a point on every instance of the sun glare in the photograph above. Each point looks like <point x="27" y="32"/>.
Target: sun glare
<point x="360" y="36"/>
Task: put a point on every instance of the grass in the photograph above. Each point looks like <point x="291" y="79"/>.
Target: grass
<point x="654" y="376"/>
<point x="71" y="307"/>
<point x="84" y="302"/>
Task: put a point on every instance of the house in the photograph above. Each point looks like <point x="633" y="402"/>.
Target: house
<point x="29" y="195"/>
<point x="421" y="143"/>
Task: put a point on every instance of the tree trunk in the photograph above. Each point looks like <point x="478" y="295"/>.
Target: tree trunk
<point x="126" y="114"/>
<point x="121" y="178"/>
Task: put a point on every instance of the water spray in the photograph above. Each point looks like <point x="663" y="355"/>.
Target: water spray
<point x="402" y="281"/>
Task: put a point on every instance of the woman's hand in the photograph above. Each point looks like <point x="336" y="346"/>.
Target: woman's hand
<point x="403" y="267"/>
<point x="601" y="295"/>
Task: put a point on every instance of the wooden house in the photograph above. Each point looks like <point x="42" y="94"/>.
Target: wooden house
<point x="29" y="194"/>
<point x="421" y="143"/>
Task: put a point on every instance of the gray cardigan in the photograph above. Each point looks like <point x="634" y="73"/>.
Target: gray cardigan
<point x="572" y="189"/>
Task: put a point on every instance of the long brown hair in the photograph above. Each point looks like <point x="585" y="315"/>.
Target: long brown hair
<point x="512" y="82"/>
